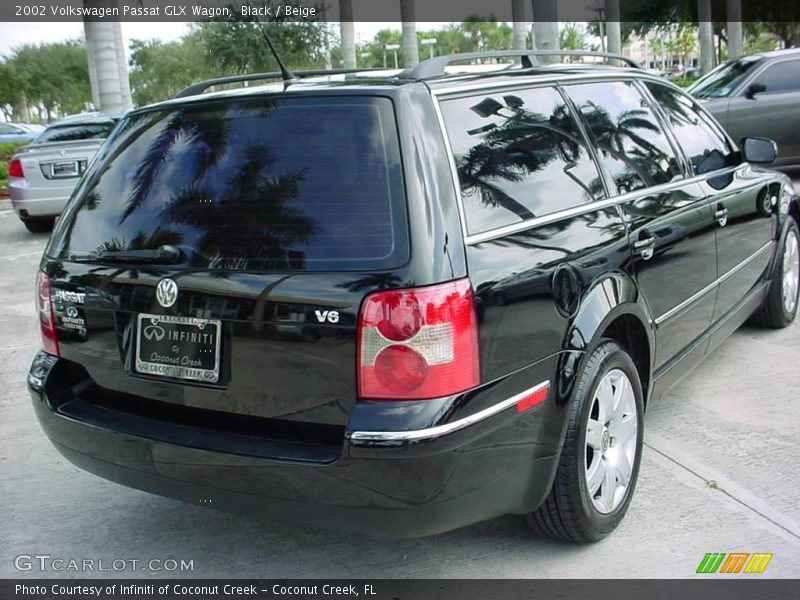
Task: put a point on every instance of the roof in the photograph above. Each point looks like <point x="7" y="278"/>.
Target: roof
<point x="86" y="118"/>
<point x="436" y="74"/>
<point x="550" y="73"/>
<point x="779" y="53"/>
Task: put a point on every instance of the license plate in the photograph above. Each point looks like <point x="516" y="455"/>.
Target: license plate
<point x="181" y="347"/>
<point x="65" y="169"/>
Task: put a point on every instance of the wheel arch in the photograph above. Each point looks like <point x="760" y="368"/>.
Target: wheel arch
<point x="612" y="308"/>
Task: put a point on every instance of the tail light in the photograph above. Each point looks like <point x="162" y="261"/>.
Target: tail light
<point x="418" y="343"/>
<point x="47" y="317"/>
<point x="15" y="168"/>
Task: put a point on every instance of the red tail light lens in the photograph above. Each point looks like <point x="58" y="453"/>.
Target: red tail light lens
<point x="47" y="317"/>
<point x="418" y="343"/>
<point x="15" y="169"/>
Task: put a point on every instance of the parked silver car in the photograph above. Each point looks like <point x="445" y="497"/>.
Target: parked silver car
<point x="758" y="96"/>
<point x="15" y="133"/>
<point x="41" y="176"/>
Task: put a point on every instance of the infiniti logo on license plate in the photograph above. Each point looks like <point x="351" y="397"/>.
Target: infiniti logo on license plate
<point x="154" y="332"/>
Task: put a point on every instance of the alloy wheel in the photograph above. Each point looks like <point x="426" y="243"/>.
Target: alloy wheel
<point x="611" y="440"/>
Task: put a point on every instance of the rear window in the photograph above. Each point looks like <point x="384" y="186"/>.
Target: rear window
<point x="272" y="184"/>
<point x="71" y="133"/>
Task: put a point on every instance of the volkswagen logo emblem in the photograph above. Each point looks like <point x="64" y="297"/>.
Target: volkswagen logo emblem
<point x="167" y="292"/>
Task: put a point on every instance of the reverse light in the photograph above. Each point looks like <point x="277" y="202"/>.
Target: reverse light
<point x="47" y="317"/>
<point x="15" y="168"/>
<point x="418" y="343"/>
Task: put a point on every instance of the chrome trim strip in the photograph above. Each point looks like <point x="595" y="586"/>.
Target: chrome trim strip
<point x="440" y="430"/>
<point x="672" y="312"/>
<point x="451" y="159"/>
<point x="492" y="234"/>
<point x="485" y="236"/>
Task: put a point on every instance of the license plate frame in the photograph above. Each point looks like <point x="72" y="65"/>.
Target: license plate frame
<point x="65" y="169"/>
<point x="171" y="357"/>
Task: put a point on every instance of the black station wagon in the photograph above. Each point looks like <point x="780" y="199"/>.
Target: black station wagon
<point x="404" y="302"/>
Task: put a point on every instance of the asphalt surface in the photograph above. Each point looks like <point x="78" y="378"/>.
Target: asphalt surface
<point x="720" y="473"/>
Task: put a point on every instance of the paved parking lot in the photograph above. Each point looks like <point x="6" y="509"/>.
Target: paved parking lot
<point x="720" y="473"/>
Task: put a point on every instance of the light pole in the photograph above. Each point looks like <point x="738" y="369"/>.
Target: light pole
<point x="395" y="48"/>
<point x="430" y="42"/>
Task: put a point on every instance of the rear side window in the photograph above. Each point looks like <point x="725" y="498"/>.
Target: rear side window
<point x="71" y="133"/>
<point x="704" y="145"/>
<point x="272" y="184"/>
<point x="519" y="155"/>
<point x="627" y="133"/>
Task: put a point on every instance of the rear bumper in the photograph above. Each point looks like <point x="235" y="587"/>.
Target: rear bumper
<point x="463" y="476"/>
<point x="39" y="201"/>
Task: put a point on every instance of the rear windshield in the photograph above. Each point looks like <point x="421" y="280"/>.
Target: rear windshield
<point x="71" y="133"/>
<point x="267" y="184"/>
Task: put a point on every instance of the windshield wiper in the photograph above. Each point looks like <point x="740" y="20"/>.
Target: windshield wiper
<point x="166" y="254"/>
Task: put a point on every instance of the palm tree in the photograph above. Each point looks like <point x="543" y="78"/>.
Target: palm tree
<point x="410" y="50"/>
<point x="347" y="34"/>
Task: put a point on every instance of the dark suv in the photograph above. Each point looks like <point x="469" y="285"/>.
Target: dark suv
<point x="403" y="303"/>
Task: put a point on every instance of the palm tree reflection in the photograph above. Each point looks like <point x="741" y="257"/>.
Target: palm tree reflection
<point x="206" y="134"/>
<point x="524" y="143"/>
<point x="251" y="222"/>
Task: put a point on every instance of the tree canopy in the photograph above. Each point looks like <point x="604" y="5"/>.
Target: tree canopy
<point x="38" y="82"/>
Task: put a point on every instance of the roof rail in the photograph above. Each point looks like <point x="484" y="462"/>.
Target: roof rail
<point x="197" y="88"/>
<point x="435" y="67"/>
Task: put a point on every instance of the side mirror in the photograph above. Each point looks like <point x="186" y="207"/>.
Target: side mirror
<point x="759" y="151"/>
<point x="755" y="88"/>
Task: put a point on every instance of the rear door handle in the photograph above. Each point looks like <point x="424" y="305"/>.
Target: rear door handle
<point x="721" y="215"/>
<point x="645" y="246"/>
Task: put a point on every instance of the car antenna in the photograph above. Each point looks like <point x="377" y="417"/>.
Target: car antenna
<point x="287" y="76"/>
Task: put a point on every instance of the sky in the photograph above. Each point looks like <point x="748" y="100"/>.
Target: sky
<point x="16" y="34"/>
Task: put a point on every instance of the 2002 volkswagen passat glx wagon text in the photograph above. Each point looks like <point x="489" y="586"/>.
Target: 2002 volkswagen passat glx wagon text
<point x="403" y="302"/>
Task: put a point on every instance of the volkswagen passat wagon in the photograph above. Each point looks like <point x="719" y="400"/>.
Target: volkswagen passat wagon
<point x="403" y="304"/>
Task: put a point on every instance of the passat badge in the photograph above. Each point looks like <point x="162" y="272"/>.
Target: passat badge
<point x="167" y="292"/>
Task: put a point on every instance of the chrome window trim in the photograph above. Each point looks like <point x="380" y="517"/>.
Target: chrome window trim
<point x="512" y="228"/>
<point x="679" y="308"/>
<point x="451" y="160"/>
<point x="416" y="435"/>
<point x="498" y="232"/>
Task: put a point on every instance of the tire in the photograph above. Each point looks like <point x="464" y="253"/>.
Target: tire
<point x="780" y="306"/>
<point x="39" y="224"/>
<point x="572" y="512"/>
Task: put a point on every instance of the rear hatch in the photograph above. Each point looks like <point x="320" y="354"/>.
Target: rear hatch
<point x="216" y="254"/>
